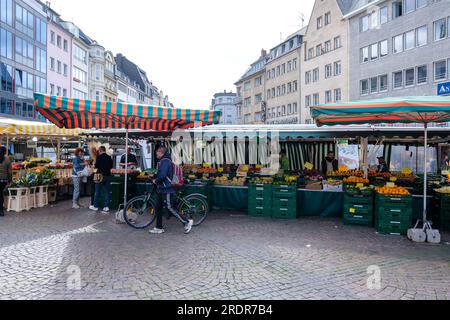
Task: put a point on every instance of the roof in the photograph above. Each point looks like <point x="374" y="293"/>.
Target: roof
<point x="351" y="7"/>
<point x="254" y="68"/>
<point x="131" y="70"/>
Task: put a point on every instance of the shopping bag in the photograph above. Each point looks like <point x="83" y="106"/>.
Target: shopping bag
<point x="417" y="235"/>
<point x="433" y="236"/>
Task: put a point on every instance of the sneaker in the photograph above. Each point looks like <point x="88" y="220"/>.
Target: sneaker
<point x="93" y="208"/>
<point x="157" y="231"/>
<point x="75" y="206"/>
<point x="188" y="226"/>
<point x="105" y="210"/>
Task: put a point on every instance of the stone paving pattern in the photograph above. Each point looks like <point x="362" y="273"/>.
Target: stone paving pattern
<point x="229" y="257"/>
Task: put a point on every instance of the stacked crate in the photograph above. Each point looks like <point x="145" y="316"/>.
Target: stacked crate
<point x="358" y="208"/>
<point x="444" y="212"/>
<point x="284" y="202"/>
<point x="393" y="214"/>
<point x="260" y="200"/>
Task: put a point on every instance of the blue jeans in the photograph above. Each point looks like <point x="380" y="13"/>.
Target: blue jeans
<point x="106" y="186"/>
<point x="76" y="189"/>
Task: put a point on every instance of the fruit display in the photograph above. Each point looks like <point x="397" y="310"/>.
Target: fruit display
<point x="443" y="190"/>
<point x="287" y="180"/>
<point x="261" y="180"/>
<point x="395" y="191"/>
<point x="206" y="170"/>
<point x="384" y="175"/>
<point x="356" y="180"/>
<point x="17" y="166"/>
<point x="225" y="181"/>
<point x="123" y="171"/>
<point x="349" y="173"/>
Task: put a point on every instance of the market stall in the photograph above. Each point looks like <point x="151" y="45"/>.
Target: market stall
<point x="89" y="114"/>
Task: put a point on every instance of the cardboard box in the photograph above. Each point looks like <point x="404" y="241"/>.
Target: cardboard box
<point x="314" y="186"/>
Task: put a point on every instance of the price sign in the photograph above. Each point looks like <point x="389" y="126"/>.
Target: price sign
<point x="360" y="185"/>
<point x="393" y="179"/>
<point x="390" y="185"/>
<point x="406" y="171"/>
<point x="352" y="210"/>
<point x="445" y="172"/>
<point x="309" y="166"/>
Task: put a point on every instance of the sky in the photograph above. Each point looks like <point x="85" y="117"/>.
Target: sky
<point x="189" y="49"/>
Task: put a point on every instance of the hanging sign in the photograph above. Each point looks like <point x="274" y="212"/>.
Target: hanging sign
<point x="342" y="142"/>
<point x="31" y="144"/>
<point x="360" y="185"/>
<point x="309" y="166"/>
<point x="393" y="179"/>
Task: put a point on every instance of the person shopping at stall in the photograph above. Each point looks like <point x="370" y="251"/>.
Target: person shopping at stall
<point x="78" y="168"/>
<point x="165" y="192"/>
<point x="382" y="166"/>
<point x="5" y="175"/>
<point x="329" y="164"/>
<point x="103" y="164"/>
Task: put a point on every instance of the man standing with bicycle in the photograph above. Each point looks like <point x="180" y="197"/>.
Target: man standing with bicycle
<point x="166" y="191"/>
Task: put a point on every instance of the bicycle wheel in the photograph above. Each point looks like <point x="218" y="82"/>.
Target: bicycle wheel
<point x="196" y="205"/>
<point x="140" y="212"/>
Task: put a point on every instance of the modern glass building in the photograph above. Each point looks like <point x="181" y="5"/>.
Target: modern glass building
<point x="23" y="57"/>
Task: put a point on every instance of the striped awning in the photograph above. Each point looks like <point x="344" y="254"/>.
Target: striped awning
<point x="392" y="110"/>
<point x="21" y="127"/>
<point x="89" y="114"/>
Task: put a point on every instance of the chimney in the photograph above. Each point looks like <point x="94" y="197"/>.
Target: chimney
<point x="263" y="53"/>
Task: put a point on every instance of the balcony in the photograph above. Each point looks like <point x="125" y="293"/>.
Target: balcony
<point x="238" y="100"/>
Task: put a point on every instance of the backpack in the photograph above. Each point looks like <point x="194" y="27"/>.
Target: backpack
<point x="177" y="180"/>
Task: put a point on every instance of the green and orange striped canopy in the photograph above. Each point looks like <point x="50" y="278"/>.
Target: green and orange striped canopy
<point x="89" y="114"/>
<point x="426" y="109"/>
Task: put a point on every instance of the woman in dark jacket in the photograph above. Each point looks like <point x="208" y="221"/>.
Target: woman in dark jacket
<point x="5" y="175"/>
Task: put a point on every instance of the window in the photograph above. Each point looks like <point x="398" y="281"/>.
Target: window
<point x="52" y="89"/>
<point x="289" y="108"/>
<point x="409" y="77"/>
<point x="52" y="37"/>
<point x="337" y="95"/>
<point x="398" y="44"/>
<point x="6" y="106"/>
<point x="58" y="91"/>
<point x="278" y="111"/>
<point x="40" y="85"/>
<point x="6" y="73"/>
<point x="24" y="21"/>
<point x="365" y="54"/>
<point x="258" y="98"/>
<point x="278" y="70"/>
<point x="294" y="86"/>
<point x="283" y="110"/>
<point x="308" y="101"/>
<point x="64" y="92"/>
<point x="410" y="40"/>
<point x="410" y="6"/>
<point x="6" y="44"/>
<point x="278" y="91"/>
<point x="383" y="83"/>
<point x="383" y="15"/>
<point x="440" y="70"/>
<point x="364" y="87"/>
<point x="308" y="77"/>
<point x="374" y="51"/>
<point x="59" y="41"/>
<point x="319" y="50"/>
<point x="364" y="23"/>
<point x="6" y="12"/>
<point x="328" y="46"/>
<point x="337" y="43"/>
<point x="398" y="79"/>
<point x="24" y="52"/>
<point x="268" y="94"/>
<point x="316" y="99"/>
<point x="421" y="3"/>
<point x="65" y="69"/>
<point x="283" y="68"/>
<point x="294" y="107"/>
<point x="383" y="48"/>
<point x="319" y="22"/>
<point x="41" y="60"/>
<point x="337" y="68"/>
<point x="397" y="9"/>
<point x="77" y="94"/>
<point x="289" y="87"/>
<point x="374" y="85"/>
<point x="440" y="31"/>
<point x="374" y="19"/>
<point x="311" y="53"/>
<point x="65" y="45"/>
<point x="59" y="69"/>
<point x="79" y="75"/>
<point x="327" y="18"/>
<point x="247" y="102"/>
<point x="80" y="54"/>
<point x="316" y="75"/>
<point x="41" y="32"/>
<point x="328" y="96"/>
<point x="294" y="64"/>
<point x="273" y="93"/>
<point x="328" y="71"/>
<point x="24" y="83"/>
<point x="247" y="86"/>
<point x="422" y="36"/>
<point x="52" y="64"/>
<point x="289" y="66"/>
<point x="422" y="74"/>
<point x="258" y="81"/>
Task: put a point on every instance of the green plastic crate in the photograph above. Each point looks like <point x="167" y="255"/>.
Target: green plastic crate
<point x="359" y="209"/>
<point x="284" y="203"/>
<point x="383" y="201"/>
<point x="284" y="191"/>
<point x="350" y="219"/>
<point x="260" y="211"/>
<point x="352" y="199"/>
<point x="284" y="213"/>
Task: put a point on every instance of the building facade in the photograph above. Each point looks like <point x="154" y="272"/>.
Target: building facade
<point x="250" y="100"/>
<point x="224" y="102"/>
<point x="399" y="48"/>
<point x="59" y="56"/>
<point x="23" y="57"/>
<point x="80" y="61"/>
<point x="96" y="71"/>
<point x="111" y="93"/>
<point x="282" y="85"/>
<point x="325" y="67"/>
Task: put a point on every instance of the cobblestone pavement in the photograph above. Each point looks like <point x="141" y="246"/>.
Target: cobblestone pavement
<point x="229" y="257"/>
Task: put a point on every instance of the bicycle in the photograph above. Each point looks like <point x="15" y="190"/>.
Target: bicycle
<point x="140" y="212"/>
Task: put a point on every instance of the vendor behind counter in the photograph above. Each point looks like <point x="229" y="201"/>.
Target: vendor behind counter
<point x="329" y="164"/>
<point x="132" y="160"/>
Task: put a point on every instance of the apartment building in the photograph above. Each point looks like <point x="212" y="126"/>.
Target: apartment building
<point x="399" y="48"/>
<point x="111" y="93"/>
<point x="23" y="57"/>
<point x="250" y="100"/>
<point x="282" y="85"/>
<point x="325" y="66"/>
<point x="224" y="102"/>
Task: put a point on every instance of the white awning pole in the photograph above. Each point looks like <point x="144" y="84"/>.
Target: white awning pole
<point x="425" y="183"/>
<point x="126" y="169"/>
